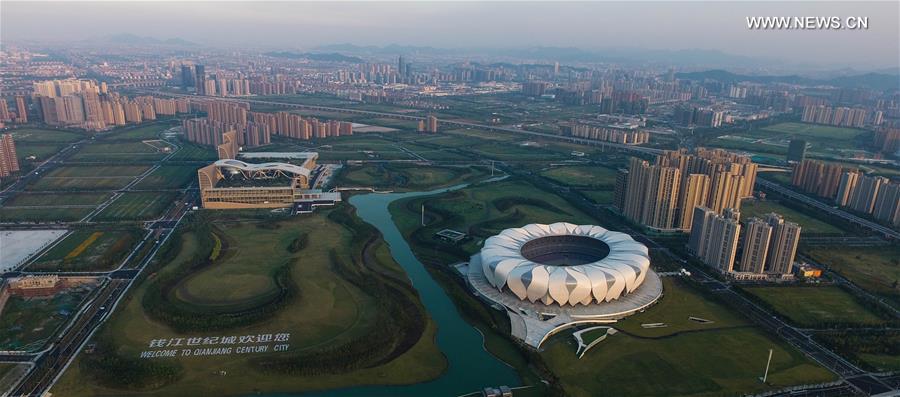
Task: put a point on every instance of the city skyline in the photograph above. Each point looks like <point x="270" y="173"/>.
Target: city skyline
<point x="663" y="28"/>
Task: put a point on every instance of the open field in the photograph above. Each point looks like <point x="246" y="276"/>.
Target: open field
<point x="88" y="250"/>
<point x="407" y="177"/>
<point x="80" y="177"/>
<point x="480" y="211"/>
<point x="138" y="133"/>
<point x="815" y="306"/>
<point x="193" y="152"/>
<point x="582" y="176"/>
<point x="137" y="206"/>
<point x="876" y="270"/>
<point x="37" y="135"/>
<point x="27" y="323"/>
<point x="328" y="312"/>
<point x="720" y="358"/>
<point x="814" y="131"/>
<point x="602" y="197"/>
<point x="56" y="199"/>
<point x="758" y="208"/>
<point x="128" y="151"/>
<point x="47" y="214"/>
<point x="169" y="177"/>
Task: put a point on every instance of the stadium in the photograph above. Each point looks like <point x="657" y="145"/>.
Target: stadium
<point x="550" y="277"/>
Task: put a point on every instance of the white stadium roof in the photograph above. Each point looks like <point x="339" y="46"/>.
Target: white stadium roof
<point x="263" y="167"/>
<point x="606" y="279"/>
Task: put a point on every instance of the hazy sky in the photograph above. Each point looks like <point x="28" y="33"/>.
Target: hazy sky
<point x="651" y="25"/>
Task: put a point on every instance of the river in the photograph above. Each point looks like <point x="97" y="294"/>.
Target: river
<point x="470" y="366"/>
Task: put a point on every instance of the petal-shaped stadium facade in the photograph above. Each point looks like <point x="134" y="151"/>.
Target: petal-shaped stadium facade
<point x="564" y="264"/>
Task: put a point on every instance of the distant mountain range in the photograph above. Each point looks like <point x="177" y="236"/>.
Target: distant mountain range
<point x="132" y="39"/>
<point x="322" y="57"/>
<point x="874" y="80"/>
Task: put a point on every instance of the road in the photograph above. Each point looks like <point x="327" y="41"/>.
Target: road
<point x="879" y="229"/>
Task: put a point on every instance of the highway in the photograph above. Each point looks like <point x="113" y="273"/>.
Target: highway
<point x="879" y="229"/>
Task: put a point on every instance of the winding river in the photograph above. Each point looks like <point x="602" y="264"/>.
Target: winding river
<point x="470" y="366"/>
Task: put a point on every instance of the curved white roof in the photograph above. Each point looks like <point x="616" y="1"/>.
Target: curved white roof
<point x="620" y="272"/>
<point x="262" y="167"/>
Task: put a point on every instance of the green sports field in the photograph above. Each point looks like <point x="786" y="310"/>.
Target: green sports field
<point x="169" y="177"/>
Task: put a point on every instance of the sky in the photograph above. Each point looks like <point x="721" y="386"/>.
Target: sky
<point x="670" y="25"/>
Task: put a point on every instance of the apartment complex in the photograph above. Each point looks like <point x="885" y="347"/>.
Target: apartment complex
<point x="838" y="116"/>
<point x="817" y="177"/>
<point x="714" y="237"/>
<point x="663" y="196"/>
<point x="9" y="162"/>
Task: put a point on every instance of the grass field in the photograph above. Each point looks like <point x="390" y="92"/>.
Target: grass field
<point x="720" y="358"/>
<point x="758" y="208"/>
<point x="36" y="135"/>
<point x="192" y="152"/>
<point x="56" y="199"/>
<point x="27" y="323"/>
<point x="603" y="197"/>
<point x="582" y="176"/>
<point x="481" y="211"/>
<point x="46" y="214"/>
<point x="139" y="133"/>
<point x="82" y="177"/>
<point x="88" y="250"/>
<point x="408" y="177"/>
<point x="814" y="131"/>
<point x="815" y="306"/>
<point x="169" y="177"/>
<point x="875" y="269"/>
<point x="137" y="206"/>
<point x="113" y="151"/>
<point x="329" y="311"/>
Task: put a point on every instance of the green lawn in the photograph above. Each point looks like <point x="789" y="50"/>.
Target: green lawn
<point x="88" y="177"/>
<point x="815" y="306"/>
<point x="328" y="312"/>
<point x="758" y="208"/>
<point x="603" y="197"/>
<point x="169" y="177"/>
<point x="876" y="269"/>
<point x="88" y="250"/>
<point x="724" y="357"/>
<point x="139" y="133"/>
<point x="120" y="151"/>
<point x="814" y="131"/>
<point x="582" y="176"/>
<point x="193" y="152"/>
<point x="37" y="135"/>
<point x="407" y="177"/>
<point x="48" y="214"/>
<point x="56" y="199"/>
<point x="137" y="206"/>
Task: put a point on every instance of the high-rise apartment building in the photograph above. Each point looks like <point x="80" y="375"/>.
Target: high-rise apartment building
<point x="651" y="194"/>
<point x="21" y="110"/>
<point x="714" y="238"/>
<point x="9" y="162"/>
<point x="694" y="192"/>
<point x="817" y="177"/>
<point x="783" y="245"/>
<point x="887" y="204"/>
<point x="200" y="79"/>
<point x="4" y="111"/>
<point x="757" y="236"/>
<point x="846" y="186"/>
<point x="432" y="123"/>
<point x="863" y="197"/>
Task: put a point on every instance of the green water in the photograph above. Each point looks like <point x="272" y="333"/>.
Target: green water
<point x="471" y="367"/>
